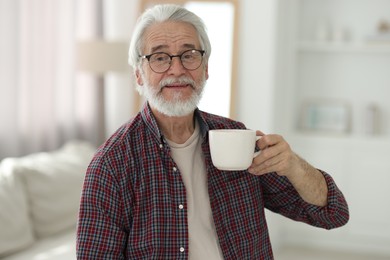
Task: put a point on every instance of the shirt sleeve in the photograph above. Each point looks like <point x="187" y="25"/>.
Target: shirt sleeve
<point x="100" y="234"/>
<point x="281" y="197"/>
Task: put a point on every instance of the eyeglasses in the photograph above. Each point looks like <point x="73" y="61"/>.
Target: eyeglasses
<point x="160" y="62"/>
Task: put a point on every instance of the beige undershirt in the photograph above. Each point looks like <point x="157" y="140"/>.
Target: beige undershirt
<point x="203" y="241"/>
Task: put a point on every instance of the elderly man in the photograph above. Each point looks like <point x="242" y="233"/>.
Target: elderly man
<point x="151" y="191"/>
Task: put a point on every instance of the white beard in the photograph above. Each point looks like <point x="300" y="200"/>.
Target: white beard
<point x="175" y="107"/>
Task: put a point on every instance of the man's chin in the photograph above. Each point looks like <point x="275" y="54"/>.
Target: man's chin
<point x="174" y="109"/>
<point x="177" y="104"/>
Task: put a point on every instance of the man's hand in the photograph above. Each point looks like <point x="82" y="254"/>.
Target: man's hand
<point x="277" y="156"/>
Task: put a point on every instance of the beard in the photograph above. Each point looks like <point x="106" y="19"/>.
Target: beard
<point x="176" y="106"/>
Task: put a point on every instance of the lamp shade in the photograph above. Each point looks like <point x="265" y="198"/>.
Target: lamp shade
<point x="100" y="57"/>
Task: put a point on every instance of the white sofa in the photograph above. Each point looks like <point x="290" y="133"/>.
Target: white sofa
<point x="39" y="202"/>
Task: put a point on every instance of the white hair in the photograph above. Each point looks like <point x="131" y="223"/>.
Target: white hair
<point x="163" y="13"/>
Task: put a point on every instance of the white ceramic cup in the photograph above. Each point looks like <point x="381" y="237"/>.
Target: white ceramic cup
<point x="232" y="149"/>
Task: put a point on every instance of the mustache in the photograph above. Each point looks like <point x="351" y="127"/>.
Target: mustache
<point x="181" y="80"/>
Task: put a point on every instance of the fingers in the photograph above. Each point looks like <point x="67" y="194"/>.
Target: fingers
<point x="275" y="156"/>
<point x="268" y="162"/>
<point x="259" y="133"/>
<point x="275" y="141"/>
<point x="270" y="165"/>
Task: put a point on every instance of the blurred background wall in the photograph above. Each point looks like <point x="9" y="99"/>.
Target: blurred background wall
<point x="315" y="71"/>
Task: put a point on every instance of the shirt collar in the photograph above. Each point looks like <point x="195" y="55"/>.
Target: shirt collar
<point x="203" y="126"/>
<point x="151" y="123"/>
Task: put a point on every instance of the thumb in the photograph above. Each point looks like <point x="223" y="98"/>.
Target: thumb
<point x="259" y="133"/>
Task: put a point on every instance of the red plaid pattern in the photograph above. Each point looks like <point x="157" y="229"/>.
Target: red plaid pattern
<point x="133" y="203"/>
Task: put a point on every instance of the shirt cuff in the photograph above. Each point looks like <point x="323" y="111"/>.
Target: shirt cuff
<point x="335" y="213"/>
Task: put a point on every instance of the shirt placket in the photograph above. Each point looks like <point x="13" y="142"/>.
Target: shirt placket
<point x="180" y="206"/>
<point x="181" y="215"/>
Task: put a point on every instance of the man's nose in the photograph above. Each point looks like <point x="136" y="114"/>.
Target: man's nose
<point x="176" y="65"/>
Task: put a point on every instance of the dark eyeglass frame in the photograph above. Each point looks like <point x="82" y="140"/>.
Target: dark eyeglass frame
<point x="202" y="53"/>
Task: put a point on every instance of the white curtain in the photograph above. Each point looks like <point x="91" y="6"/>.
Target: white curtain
<point x="43" y="101"/>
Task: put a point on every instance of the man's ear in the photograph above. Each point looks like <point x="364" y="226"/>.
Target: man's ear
<point x="207" y="72"/>
<point x="138" y="77"/>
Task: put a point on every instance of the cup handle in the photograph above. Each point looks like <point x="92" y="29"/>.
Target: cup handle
<point x="257" y="153"/>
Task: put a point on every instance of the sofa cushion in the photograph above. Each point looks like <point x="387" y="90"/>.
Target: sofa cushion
<point x="57" y="247"/>
<point x="53" y="182"/>
<point x="15" y="228"/>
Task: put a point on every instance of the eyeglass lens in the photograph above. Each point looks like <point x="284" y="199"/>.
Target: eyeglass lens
<point x="161" y="62"/>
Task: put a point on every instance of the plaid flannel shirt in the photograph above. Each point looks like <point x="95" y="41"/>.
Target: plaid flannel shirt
<point x="134" y="206"/>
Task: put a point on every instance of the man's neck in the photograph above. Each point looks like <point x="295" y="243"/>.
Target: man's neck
<point x="176" y="129"/>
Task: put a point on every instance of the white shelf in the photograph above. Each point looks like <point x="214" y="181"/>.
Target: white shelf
<point x="340" y="138"/>
<point x="337" y="47"/>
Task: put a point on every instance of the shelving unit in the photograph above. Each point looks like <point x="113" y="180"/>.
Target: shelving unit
<point x="357" y="48"/>
<point x="353" y="70"/>
<point x="314" y="65"/>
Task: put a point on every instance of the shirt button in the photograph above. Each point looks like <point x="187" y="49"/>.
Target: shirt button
<point x="181" y="249"/>
<point x="161" y="146"/>
<point x="174" y="169"/>
<point x="181" y="206"/>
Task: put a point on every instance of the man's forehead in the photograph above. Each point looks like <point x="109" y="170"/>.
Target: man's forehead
<point x="163" y="36"/>
<point x="163" y="47"/>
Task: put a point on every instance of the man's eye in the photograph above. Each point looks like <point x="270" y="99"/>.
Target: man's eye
<point x="160" y="58"/>
<point x="188" y="57"/>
